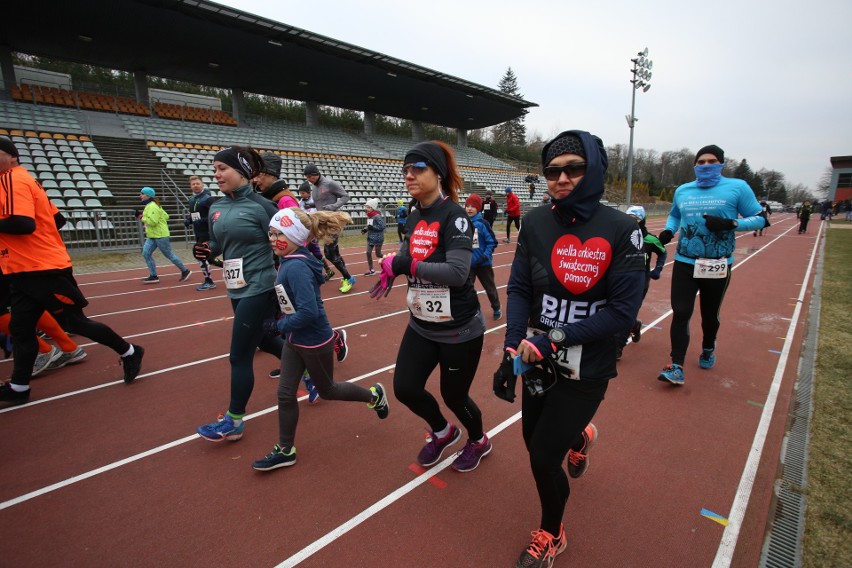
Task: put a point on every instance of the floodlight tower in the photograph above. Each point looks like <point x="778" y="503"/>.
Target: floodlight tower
<point x="641" y="80"/>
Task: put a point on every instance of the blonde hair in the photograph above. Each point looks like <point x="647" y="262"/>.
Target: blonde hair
<point x="324" y="226"/>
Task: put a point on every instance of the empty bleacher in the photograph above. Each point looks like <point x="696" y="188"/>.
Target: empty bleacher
<point x="44" y="95"/>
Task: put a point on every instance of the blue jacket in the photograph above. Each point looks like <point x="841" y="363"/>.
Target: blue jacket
<point x="376" y="231"/>
<point x="484" y="242"/>
<point x="402" y="214"/>
<point x="301" y="274"/>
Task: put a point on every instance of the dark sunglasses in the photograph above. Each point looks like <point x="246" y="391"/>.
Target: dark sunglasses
<point x="416" y="168"/>
<point x="573" y="171"/>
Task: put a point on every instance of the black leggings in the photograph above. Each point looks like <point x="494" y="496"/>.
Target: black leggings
<point x="684" y="289"/>
<point x="552" y="425"/>
<point x="319" y="362"/>
<point x="509" y="221"/>
<point x="246" y="336"/>
<point x="332" y="253"/>
<point x="400" y="230"/>
<point x="416" y="360"/>
<point x="379" y="254"/>
<point x="55" y="291"/>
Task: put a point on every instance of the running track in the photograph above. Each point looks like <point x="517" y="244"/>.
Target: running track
<point x="98" y="473"/>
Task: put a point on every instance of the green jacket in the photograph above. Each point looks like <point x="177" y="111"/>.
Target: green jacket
<point x="156" y="221"/>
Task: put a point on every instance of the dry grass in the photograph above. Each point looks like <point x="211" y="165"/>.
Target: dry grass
<point x="828" y="522"/>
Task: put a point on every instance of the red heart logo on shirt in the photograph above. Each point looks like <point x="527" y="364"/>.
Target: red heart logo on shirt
<point x="424" y="240"/>
<point x="578" y="265"/>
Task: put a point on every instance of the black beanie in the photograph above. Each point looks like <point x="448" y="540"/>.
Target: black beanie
<point x="8" y="146"/>
<point x="271" y="164"/>
<point x="311" y="170"/>
<point x="711" y="149"/>
<point x="565" y="143"/>
<point x="432" y="154"/>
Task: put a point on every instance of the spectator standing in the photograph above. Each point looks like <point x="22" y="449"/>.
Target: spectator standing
<point x="375" y="231"/>
<point x="489" y="208"/>
<point x="156" y="221"/>
<point x="532" y="191"/>
<point x="199" y="211"/>
<point x="35" y="262"/>
<point x="513" y="213"/>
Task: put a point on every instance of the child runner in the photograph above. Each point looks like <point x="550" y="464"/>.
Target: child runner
<point x="375" y="230"/>
<point x="308" y="337"/>
<point x="484" y="243"/>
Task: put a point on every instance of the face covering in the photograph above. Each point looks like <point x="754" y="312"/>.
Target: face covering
<point x="708" y="175"/>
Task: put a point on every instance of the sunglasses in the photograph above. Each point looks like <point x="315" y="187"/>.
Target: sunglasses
<point x="416" y="168"/>
<point x="573" y="171"/>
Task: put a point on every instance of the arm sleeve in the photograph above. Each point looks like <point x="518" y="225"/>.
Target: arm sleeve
<point x="673" y="221"/>
<point x="342" y="197"/>
<point x="750" y="209"/>
<point x="453" y="272"/>
<point x="518" y="299"/>
<point x="18" y="225"/>
<point x="300" y="281"/>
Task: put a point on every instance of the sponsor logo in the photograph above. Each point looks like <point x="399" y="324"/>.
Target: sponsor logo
<point x="579" y="266"/>
<point x="424" y="239"/>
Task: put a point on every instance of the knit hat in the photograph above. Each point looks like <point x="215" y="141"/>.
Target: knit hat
<point x="637" y="211"/>
<point x="306" y="186"/>
<point x="8" y="146"/>
<point x="372" y="203"/>
<point x="271" y="164"/>
<point x="149" y="191"/>
<point x="711" y="149"/>
<point x="311" y="170"/>
<point x="565" y="143"/>
<point x="508" y="190"/>
<point x="474" y="201"/>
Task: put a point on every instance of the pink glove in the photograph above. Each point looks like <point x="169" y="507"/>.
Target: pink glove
<point x="386" y="278"/>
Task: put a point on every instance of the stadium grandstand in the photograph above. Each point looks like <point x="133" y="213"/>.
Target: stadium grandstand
<point x="92" y="151"/>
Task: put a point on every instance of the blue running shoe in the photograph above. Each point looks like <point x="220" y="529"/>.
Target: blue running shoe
<point x="313" y="393"/>
<point x="672" y="373"/>
<point x="223" y="429"/>
<point x="707" y="358"/>
<point x="275" y="459"/>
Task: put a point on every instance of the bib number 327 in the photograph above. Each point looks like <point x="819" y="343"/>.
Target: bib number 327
<point x="233" y="273"/>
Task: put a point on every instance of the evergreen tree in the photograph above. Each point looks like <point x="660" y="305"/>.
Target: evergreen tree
<point x="512" y="132"/>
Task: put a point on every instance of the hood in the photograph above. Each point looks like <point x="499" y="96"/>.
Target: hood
<point x="586" y="197"/>
<point x="302" y="254"/>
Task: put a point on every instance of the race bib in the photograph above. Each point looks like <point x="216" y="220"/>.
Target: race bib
<point x="429" y="302"/>
<point x="284" y="303"/>
<point x="710" y="268"/>
<point x="475" y="238"/>
<point x="195" y="216"/>
<point x="486" y="207"/>
<point x="233" y="273"/>
<point x="370" y="222"/>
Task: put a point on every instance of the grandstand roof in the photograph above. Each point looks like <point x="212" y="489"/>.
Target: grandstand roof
<point x="210" y="44"/>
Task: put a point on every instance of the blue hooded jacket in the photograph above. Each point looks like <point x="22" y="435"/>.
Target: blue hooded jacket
<point x="301" y="274"/>
<point x="483" y="249"/>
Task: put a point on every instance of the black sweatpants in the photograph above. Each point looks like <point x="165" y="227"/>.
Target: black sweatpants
<point x="416" y="360"/>
<point x="684" y="289"/>
<point x="55" y="291"/>
<point x="486" y="278"/>
<point x="552" y="424"/>
<point x="332" y="254"/>
<point x="509" y="221"/>
<point x="319" y="362"/>
<point x="247" y="336"/>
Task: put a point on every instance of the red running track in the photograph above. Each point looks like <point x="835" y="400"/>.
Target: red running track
<point x="99" y="473"/>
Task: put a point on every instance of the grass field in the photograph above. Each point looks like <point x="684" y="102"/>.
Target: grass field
<point x="828" y="522"/>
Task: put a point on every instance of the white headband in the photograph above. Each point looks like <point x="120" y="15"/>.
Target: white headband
<point x="293" y="229"/>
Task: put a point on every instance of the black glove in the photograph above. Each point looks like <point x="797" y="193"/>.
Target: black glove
<point x="270" y="327"/>
<point x="201" y="251"/>
<point x="217" y="262"/>
<point x="364" y="230"/>
<point x="665" y="237"/>
<point x="655" y="274"/>
<point x="186" y="222"/>
<point x="717" y="224"/>
<point x="505" y="378"/>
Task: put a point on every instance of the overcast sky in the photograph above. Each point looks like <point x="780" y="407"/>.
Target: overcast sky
<point x="770" y="82"/>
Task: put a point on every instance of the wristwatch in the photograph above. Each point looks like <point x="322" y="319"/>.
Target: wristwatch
<point x="736" y="223"/>
<point x="556" y="336"/>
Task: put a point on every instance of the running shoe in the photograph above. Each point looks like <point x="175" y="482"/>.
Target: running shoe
<point x="13" y="397"/>
<point x="185" y="274"/>
<point x="672" y="373"/>
<point x="507" y="241"/>
<point x="275" y="459"/>
<point x="275" y="373"/>
<point x="578" y="460"/>
<point x="206" y="286"/>
<point x="151" y="280"/>
<point x="636" y="331"/>
<point x="543" y="549"/>
<point x="313" y="393"/>
<point x="472" y="453"/>
<point x="341" y="349"/>
<point x="347" y="285"/>
<point x="498" y="314"/>
<point x="329" y="274"/>
<point x="707" y="358"/>
<point x="434" y="449"/>
<point x="380" y="401"/>
<point x="370" y="272"/>
<point x="67" y="358"/>
<point x="133" y="364"/>
<point x="43" y="360"/>
<point x="223" y="429"/>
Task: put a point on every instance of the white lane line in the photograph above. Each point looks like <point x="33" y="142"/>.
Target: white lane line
<point x="728" y="543"/>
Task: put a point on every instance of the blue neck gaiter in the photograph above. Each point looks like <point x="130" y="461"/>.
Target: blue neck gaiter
<point x="708" y="175"/>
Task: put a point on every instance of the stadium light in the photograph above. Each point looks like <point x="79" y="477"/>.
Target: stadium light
<point x="641" y="80"/>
